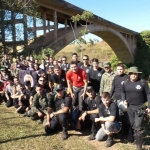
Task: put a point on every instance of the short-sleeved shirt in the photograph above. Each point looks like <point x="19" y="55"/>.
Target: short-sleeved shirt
<point x="59" y="79"/>
<point x="77" y="77"/>
<point x="27" y="93"/>
<point x="65" y="67"/>
<point x="65" y="101"/>
<point x="86" y="68"/>
<point x="95" y="78"/>
<point x="91" y="104"/>
<point x="112" y="110"/>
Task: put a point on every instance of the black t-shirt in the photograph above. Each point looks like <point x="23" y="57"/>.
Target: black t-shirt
<point x="86" y="68"/>
<point x="91" y="104"/>
<point x="27" y="93"/>
<point x="65" y="67"/>
<point x="135" y="92"/>
<point x="59" y="79"/>
<point x="112" y="110"/>
<point x="64" y="102"/>
<point x="79" y="64"/>
<point x="117" y="85"/>
<point x="95" y="78"/>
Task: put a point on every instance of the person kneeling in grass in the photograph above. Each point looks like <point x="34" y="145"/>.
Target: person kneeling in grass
<point x="109" y="119"/>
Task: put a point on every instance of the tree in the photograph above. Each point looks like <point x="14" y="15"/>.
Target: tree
<point x="85" y="16"/>
<point x="142" y="53"/>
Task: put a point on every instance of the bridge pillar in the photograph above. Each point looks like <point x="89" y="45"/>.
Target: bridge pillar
<point x="34" y="25"/>
<point x="13" y="31"/>
<point x="44" y="23"/>
<point x="65" y="24"/>
<point x="55" y="25"/>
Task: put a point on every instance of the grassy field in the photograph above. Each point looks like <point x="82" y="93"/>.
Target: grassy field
<point x="19" y="133"/>
<point x="100" y="50"/>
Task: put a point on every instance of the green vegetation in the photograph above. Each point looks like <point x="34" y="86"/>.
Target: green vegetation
<point x="142" y="54"/>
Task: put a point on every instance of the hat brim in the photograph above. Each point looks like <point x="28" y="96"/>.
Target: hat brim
<point x="59" y="89"/>
<point x="134" y="72"/>
<point x="106" y="66"/>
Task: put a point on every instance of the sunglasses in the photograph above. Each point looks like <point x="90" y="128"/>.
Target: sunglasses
<point x="63" y="60"/>
<point x="85" y="59"/>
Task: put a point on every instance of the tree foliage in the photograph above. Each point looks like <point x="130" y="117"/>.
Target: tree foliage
<point x="85" y="16"/>
<point x="142" y="53"/>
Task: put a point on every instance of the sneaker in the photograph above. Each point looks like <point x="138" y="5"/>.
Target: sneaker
<point x="64" y="134"/>
<point x="91" y="137"/>
<point x="109" y="141"/>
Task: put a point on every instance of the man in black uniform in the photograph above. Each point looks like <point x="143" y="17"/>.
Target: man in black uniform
<point x="90" y="107"/>
<point x="135" y="92"/>
<point x="95" y="74"/>
<point x="59" y="77"/>
<point x="60" y="115"/>
<point x="75" y="58"/>
<point x="65" y="66"/>
<point x="116" y="94"/>
<point x="86" y="66"/>
<point x="109" y="118"/>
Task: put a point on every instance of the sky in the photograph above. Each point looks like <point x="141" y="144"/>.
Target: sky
<point x="131" y="14"/>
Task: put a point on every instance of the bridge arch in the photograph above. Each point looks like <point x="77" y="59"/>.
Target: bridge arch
<point x="114" y="38"/>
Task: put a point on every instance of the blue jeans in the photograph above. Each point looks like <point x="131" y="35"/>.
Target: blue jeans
<point x="114" y="127"/>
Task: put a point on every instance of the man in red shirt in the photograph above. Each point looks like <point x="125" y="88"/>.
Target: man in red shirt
<point x="77" y="84"/>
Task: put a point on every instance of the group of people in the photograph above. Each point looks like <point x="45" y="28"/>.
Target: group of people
<point x="78" y="94"/>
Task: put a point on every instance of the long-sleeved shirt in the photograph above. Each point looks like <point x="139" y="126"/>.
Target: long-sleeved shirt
<point x="136" y="93"/>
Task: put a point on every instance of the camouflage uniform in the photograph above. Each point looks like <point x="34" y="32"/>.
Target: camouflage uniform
<point x="40" y="103"/>
<point x="106" y="82"/>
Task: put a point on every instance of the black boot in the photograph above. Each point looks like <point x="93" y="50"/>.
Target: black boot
<point x="64" y="134"/>
<point x="92" y="136"/>
<point x="130" y="137"/>
<point x="138" y="141"/>
<point x="109" y="142"/>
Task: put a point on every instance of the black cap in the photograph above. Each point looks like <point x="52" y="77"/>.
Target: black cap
<point x="27" y="83"/>
<point x="89" y="88"/>
<point x="59" y="87"/>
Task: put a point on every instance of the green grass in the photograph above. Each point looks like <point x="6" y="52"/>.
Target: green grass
<point x="19" y="133"/>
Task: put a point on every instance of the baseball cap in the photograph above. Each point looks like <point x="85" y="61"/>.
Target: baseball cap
<point x="89" y="88"/>
<point x="59" y="87"/>
<point x="107" y="64"/>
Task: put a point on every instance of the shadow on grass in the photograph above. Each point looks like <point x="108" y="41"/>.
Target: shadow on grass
<point x="25" y="137"/>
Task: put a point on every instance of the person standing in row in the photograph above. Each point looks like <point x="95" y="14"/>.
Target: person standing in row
<point x="135" y="92"/>
<point x="95" y="74"/>
<point x="116" y="95"/>
<point x="107" y="79"/>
